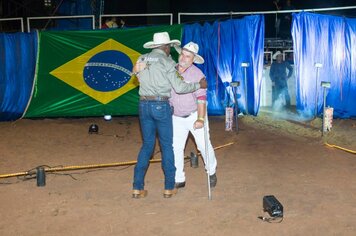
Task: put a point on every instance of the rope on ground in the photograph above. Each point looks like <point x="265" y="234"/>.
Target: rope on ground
<point x="341" y="148"/>
<point x="54" y="169"/>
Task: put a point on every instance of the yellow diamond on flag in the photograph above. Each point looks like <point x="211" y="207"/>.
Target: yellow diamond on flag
<point x="103" y="73"/>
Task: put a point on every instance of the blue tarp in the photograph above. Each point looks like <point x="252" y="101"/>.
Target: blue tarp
<point x="330" y="41"/>
<point x="17" y="69"/>
<point x="224" y="46"/>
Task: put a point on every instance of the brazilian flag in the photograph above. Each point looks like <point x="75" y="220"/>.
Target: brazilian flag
<point x="88" y="73"/>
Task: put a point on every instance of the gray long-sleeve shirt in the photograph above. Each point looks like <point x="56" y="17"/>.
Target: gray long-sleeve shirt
<point x="160" y="76"/>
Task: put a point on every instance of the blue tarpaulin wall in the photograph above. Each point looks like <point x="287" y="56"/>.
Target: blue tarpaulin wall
<point x="331" y="41"/>
<point x="17" y="69"/>
<point x="224" y="46"/>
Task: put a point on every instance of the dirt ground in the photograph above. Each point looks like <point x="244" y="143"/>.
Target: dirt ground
<point x="316" y="184"/>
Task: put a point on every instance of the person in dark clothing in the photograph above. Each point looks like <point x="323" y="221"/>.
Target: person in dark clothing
<point x="284" y="22"/>
<point x="278" y="75"/>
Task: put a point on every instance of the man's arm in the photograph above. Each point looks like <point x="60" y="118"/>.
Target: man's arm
<point x="199" y="123"/>
<point x="272" y="72"/>
<point x="180" y="86"/>
<point x="290" y="70"/>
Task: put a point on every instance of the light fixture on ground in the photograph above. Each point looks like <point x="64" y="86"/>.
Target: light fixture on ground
<point x="245" y="65"/>
<point x="93" y="129"/>
<point x="107" y="117"/>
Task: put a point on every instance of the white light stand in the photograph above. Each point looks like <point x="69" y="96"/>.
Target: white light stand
<point x="245" y="65"/>
<point x="234" y="86"/>
<point x="325" y="85"/>
<point x="317" y="66"/>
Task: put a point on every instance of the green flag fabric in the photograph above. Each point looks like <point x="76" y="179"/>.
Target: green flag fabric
<point x="88" y="73"/>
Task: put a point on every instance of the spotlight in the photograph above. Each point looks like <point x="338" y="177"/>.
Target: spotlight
<point x="325" y="84"/>
<point x="235" y="84"/>
<point x="194" y="161"/>
<point x="107" y="117"/>
<point x="318" y="65"/>
<point x="245" y="64"/>
<point x="93" y="129"/>
<point x="40" y="176"/>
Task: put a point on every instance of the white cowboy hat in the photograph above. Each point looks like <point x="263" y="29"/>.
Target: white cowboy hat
<point x="192" y="48"/>
<point x="274" y="57"/>
<point x="160" y="39"/>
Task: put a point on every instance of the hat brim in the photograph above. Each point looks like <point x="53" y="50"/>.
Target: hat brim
<point x="197" y="58"/>
<point x="151" y="44"/>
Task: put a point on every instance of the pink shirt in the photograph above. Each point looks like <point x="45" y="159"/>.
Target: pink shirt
<point x="184" y="104"/>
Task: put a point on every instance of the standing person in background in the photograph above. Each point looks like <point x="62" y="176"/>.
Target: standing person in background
<point x="278" y="75"/>
<point x="110" y="23"/>
<point x="157" y="76"/>
<point x="285" y="19"/>
<point x="190" y="115"/>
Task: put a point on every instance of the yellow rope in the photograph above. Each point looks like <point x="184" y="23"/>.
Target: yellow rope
<point x="341" y="148"/>
<point x="53" y="169"/>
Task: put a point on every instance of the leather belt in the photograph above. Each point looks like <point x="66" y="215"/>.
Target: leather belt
<point x="154" y="98"/>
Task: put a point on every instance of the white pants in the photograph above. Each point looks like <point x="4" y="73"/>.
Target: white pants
<point x="181" y="129"/>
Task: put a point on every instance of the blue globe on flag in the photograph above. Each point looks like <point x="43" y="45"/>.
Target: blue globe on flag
<point x="107" y="71"/>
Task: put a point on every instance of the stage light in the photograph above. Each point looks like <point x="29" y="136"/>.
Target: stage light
<point x="194" y="161"/>
<point x="325" y="84"/>
<point x="318" y="65"/>
<point x="93" y="129"/>
<point x="40" y="176"/>
<point x="107" y="117"/>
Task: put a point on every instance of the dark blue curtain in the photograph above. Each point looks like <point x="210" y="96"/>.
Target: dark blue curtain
<point x="17" y="69"/>
<point x="330" y="41"/>
<point x="224" y="46"/>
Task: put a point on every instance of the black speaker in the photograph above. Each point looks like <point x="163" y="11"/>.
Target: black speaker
<point x="272" y="206"/>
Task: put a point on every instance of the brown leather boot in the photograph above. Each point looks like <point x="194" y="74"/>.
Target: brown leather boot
<point x="139" y="193"/>
<point x="168" y="193"/>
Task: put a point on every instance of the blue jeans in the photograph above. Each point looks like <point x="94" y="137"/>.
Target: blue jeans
<point x="155" y="117"/>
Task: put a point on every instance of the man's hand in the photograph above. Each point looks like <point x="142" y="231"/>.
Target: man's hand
<point x="203" y="83"/>
<point x="138" y="67"/>
<point x="198" y="124"/>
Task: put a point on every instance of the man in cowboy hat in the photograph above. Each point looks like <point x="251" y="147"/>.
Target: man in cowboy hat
<point x="157" y="76"/>
<point x="278" y="75"/>
<point x="190" y="115"/>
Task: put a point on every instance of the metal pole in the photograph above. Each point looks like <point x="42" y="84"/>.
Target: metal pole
<point x="234" y="86"/>
<point x="207" y="153"/>
<point x="324" y="101"/>
<point x="316" y="92"/>
<point x="246" y="93"/>
<point x="236" y="107"/>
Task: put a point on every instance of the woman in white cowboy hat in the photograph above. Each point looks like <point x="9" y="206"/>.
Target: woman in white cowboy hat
<point x="190" y="115"/>
<point x="278" y="75"/>
<point x="157" y="75"/>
